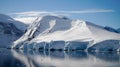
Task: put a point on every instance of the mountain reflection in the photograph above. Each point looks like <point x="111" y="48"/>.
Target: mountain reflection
<point x="34" y="58"/>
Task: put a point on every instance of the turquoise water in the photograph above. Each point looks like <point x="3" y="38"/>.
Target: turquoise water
<point x="35" y="58"/>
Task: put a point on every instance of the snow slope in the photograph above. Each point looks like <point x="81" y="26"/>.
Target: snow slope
<point x="10" y="30"/>
<point x="57" y="28"/>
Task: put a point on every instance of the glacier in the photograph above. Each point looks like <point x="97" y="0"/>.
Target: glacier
<point x="61" y="33"/>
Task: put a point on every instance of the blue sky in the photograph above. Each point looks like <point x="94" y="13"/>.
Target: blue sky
<point x="101" y="12"/>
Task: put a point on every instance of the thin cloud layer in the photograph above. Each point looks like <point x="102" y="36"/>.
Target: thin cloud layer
<point x="30" y="16"/>
<point x="88" y="11"/>
<point x="26" y="20"/>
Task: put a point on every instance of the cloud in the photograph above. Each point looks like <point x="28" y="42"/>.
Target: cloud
<point x="88" y="11"/>
<point x="35" y="13"/>
<point x="30" y="16"/>
<point x="38" y="13"/>
<point x="32" y="13"/>
<point x="26" y="20"/>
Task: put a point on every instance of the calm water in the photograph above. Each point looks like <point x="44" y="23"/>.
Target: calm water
<point x="12" y="58"/>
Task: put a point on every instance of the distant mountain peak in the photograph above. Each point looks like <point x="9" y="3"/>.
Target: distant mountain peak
<point x="5" y="18"/>
<point x="54" y="16"/>
<point x="10" y="30"/>
<point x="112" y="29"/>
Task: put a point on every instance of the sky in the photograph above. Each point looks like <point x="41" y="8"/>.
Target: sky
<point x="101" y="12"/>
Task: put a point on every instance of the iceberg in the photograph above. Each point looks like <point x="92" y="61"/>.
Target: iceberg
<point x="56" y="32"/>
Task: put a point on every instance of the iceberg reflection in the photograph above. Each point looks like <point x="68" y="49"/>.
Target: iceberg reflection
<point x="35" y="58"/>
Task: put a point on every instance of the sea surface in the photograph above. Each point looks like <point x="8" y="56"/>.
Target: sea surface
<point x="35" y="58"/>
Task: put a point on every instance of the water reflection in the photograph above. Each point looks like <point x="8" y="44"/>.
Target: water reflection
<point x="7" y="59"/>
<point x="108" y="56"/>
<point x="77" y="55"/>
<point x="34" y="58"/>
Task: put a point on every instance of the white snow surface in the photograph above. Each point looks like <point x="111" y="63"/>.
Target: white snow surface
<point x="54" y="28"/>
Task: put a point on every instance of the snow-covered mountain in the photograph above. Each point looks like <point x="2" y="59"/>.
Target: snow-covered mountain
<point x="10" y="30"/>
<point x="58" y="32"/>
<point x="118" y="30"/>
<point x="112" y="29"/>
